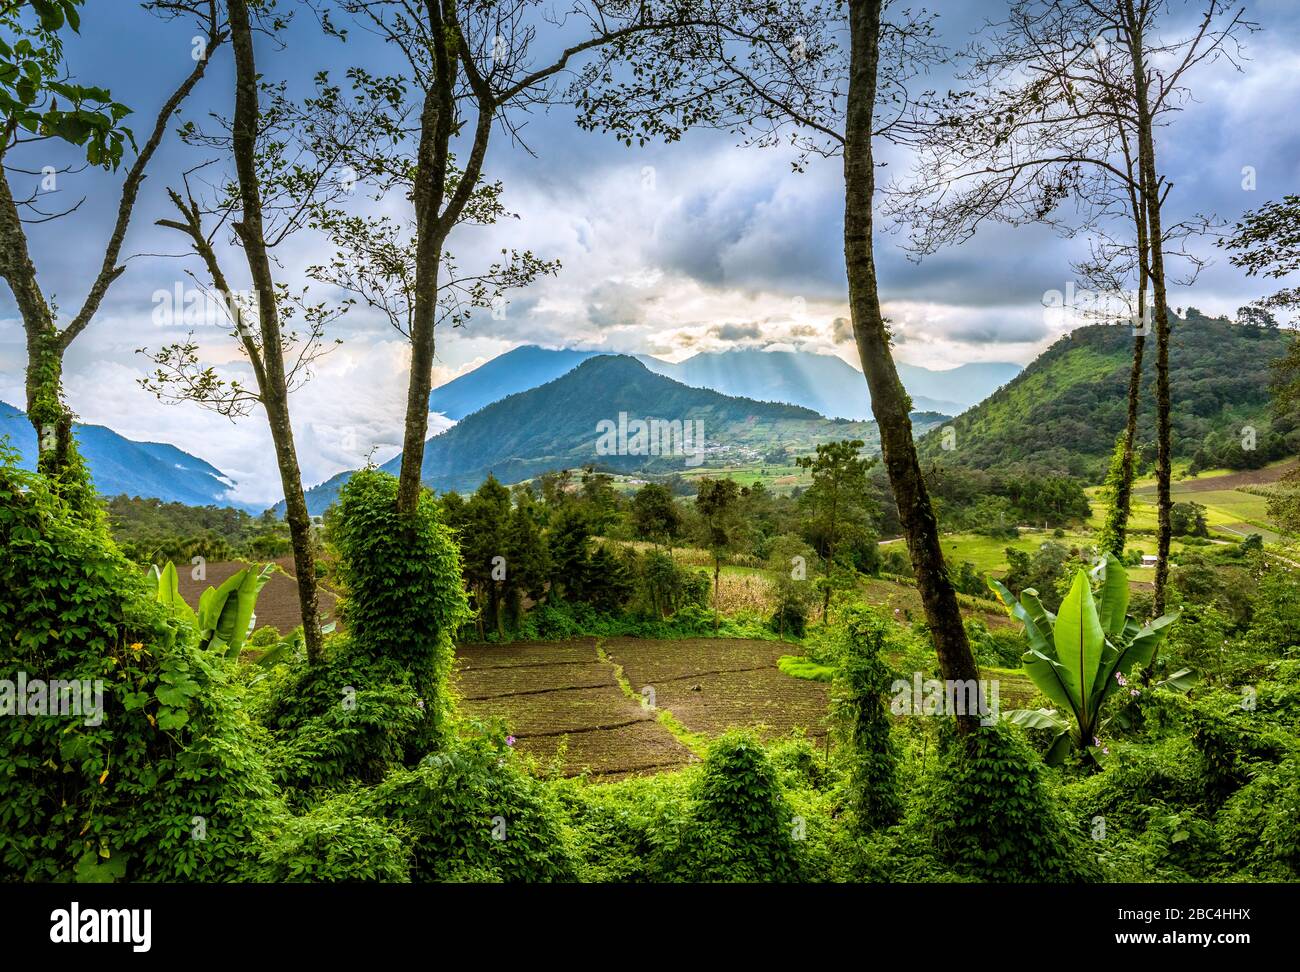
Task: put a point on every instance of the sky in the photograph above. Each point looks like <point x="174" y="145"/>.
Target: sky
<point x="665" y="249"/>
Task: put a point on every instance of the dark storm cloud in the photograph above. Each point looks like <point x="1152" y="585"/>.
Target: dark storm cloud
<point x="736" y="332"/>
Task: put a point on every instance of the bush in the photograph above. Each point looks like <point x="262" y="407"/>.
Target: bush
<point x="1259" y="826"/>
<point x="739" y="827"/>
<point x="404" y="596"/>
<point x="991" y="815"/>
<point x="862" y="709"/>
<point x="170" y="784"/>
<point x="334" y="842"/>
<point x="474" y="815"/>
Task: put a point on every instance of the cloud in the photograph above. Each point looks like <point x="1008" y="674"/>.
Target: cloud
<point x="666" y="250"/>
<point x="732" y="333"/>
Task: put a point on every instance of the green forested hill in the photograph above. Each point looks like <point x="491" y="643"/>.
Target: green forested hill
<point x="555" y="426"/>
<point x="1063" y="413"/>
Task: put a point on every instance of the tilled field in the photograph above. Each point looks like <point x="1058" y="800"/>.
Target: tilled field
<point x="712" y="685"/>
<point x="563" y="702"/>
<point x="563" y="699"/>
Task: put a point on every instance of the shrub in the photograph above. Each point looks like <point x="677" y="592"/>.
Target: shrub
<point x="334" y="842"/>
<point x="862" y="709"/>
<point x="992" y="817"/>
<point x="170" y="784"/>
<point x="1259" y="826"/>
<point x="402" y="577"/>
<point x="475" y="815"/>
<point x="739" y="827"/>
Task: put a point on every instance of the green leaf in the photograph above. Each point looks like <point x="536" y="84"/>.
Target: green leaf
<point x="1037" y="637"/>
<point x="1180" y="681"/>
<point x="1113" y="596"/>
<point x="1079" y="643"/>
<point x="1037" y="719"/>
<point x="1049" y="676"/>
<point x="172" y="718"/>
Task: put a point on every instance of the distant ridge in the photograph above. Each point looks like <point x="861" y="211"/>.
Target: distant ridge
<point x="554" y="426"/>
<point x="825" y="383"/>
<point x="121" y="465"/>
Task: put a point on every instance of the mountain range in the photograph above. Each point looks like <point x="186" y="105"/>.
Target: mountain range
<point x="822" y="382"/>
<point x="121" y="465"/>
<point x="588" y="416"/>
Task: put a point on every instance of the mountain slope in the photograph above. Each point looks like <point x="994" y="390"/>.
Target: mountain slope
<point x="121" y="465"/>
<point x="517" y="370"/>
<point x="558" y="425"/>
<point x="825" y="383"/>
<point x="1064" y="412"/>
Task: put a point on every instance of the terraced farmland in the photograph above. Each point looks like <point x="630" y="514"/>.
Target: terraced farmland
<point x="566" y="697"/>
<point x="619" y="707"/>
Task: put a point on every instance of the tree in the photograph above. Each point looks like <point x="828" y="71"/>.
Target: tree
<point x="1265" y="242"/>
<point x="813" y="73"/>
<point x="1188" y="520"/>
<point x="788" y="562"/>
<point x="471" y="69"/>
<point x="271" y="197"/>
<point x="484" y="540"/>
<point x="38" y="102"/>
<point x="718" y="503"/>
<point x="837" y="501"/>
<point x="1071" y="95"/>
<point x="655" y="516"/>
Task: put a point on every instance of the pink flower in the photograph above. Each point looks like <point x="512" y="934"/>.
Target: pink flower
<point x="1119" y="677"/>
<point x="510" y="740"/>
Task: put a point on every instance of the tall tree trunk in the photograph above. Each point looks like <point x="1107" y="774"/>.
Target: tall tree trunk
<point x="431" y="230"/>
<point x="46" y="343"/>
<point x="275" y="393"/>
<point x="1160" y="306"/>
<point x="889" y="402"/>
<point x="1122" y="501"/>
<point x="44" y="378"/>
<point x="717" y="572"/>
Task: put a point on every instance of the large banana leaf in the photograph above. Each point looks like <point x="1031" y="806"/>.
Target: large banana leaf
<point x="1180" y="681"/>
<point x="1050" y="677"/>
<point x="1079" y="642"/>
<point x="1043" y="618"/>
<point x="226" y="611"/>
<point x="169" y="593"/>
<point x="1045" y="719"/>
<point x="1037" y="719"/>
<point x="1112" y="596"/>
<point x="1037" y="636"/>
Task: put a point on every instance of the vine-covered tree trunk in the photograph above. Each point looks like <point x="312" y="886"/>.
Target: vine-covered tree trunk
<point x="1116" y="532"/>
<point x="717" y="573"/>
<point x="44" y="378"/>
<point x="275" y="393"/>
<point x="889" y="402"/>
<point x="1155" y="247"/>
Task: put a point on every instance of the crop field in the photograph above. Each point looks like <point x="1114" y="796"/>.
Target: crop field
<point x="619" y="707"/>
<point x="563" y="701"/>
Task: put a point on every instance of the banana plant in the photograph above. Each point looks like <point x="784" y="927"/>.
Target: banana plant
<point x="226" y="614"/>
<point x="1082" y="655"/>
<point x="169" y="590"/>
